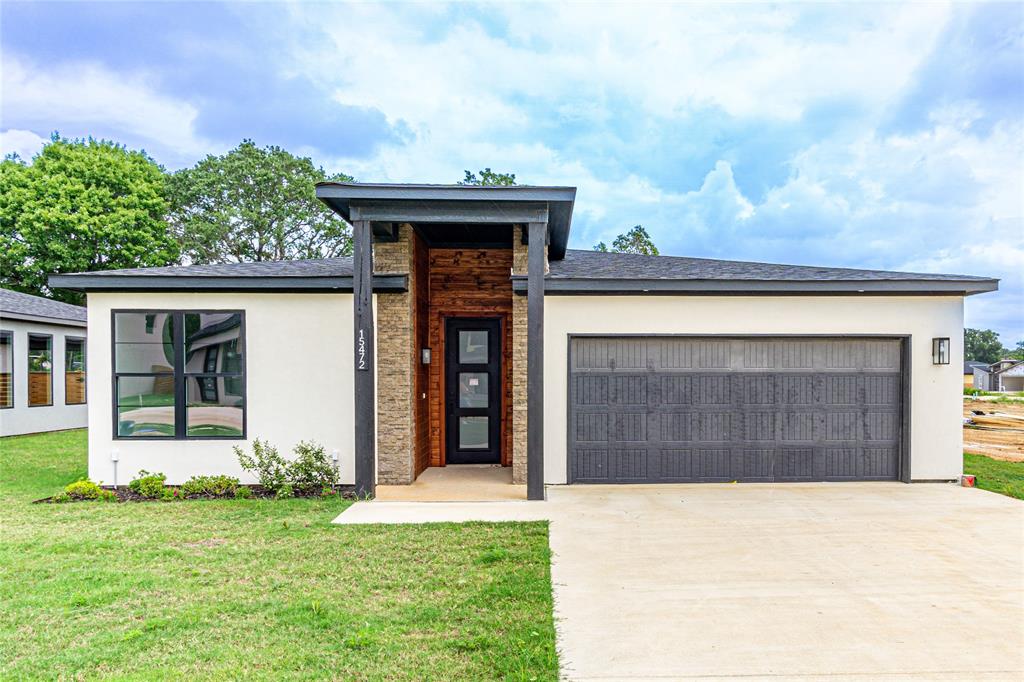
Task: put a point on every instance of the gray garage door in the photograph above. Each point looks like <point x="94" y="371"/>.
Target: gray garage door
<point x="675" y="409"/>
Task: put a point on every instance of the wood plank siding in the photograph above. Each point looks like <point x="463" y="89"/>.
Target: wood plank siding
<point x="421" y="339"/>
<point x="467" y="283"/>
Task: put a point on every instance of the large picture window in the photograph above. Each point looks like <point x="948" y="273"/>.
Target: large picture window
<point x="6" y="369"/>
<point x="40" y="370"/>
<point x="179" y="374"/>
<point x="74" y="370"/>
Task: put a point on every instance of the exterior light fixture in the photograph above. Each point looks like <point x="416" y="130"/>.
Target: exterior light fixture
<point x="940" y="351"/>
<point x="425" y="356"/>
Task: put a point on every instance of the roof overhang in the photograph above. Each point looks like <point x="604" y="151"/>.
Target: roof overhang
<point x="87" y="282"/>
<point x="608" y="287"/>
<point x="469" y="204"/>
<point x="42" y="319"/>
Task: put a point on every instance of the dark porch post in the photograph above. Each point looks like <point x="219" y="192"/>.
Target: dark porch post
<point x="365" y="395"/>
<point x="538" y="233"/>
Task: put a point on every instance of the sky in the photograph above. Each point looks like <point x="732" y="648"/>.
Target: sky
<point x="865" y="135"/>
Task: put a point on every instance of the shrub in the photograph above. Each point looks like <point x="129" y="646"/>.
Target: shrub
<point x="270" y="468"/>
<point x="242" y="493"/>
<point x="311" y="469"/>
<point x="219" y="486"/>
<point x="60" y="498"/>
<point x="285" y="492"/>
<point x="148" y="484"/>
<point x="86" y="490"/>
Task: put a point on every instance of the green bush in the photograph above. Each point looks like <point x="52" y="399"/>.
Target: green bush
<point x="148" y="484"/>
<point x="86" y="490"/>
<point x="60" y="498"/>
<point x="269" y="467"/>
<point x="311" y="469"/>
<point x="219" y="486"/>
<point x="242" y="493"/>
<point x="285" y="492"/>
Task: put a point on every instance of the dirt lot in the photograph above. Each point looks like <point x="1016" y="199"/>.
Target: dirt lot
<point x="1005" y="444"/>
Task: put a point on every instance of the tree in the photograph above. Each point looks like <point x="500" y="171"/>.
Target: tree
<point x="635" y="241"/>
<point x="254" y="204"/>
<point x="1017" y="353"/>
<point x="80" y="205"/>
<point x="489" y="177"/>
<point x="982" y="345"/>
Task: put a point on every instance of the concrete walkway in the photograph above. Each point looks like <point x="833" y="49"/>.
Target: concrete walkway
<point x="845" y="581"/>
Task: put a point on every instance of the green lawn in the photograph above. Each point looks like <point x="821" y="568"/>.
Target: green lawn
<point x="1006" y="478"/>
<point x="256" y="588"/>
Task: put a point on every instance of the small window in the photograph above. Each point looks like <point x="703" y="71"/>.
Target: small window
<point x="6" y="369"/>
<point x="40" y="370"/>
<point x="74" y="371"/>
<point x="179" y="374"/>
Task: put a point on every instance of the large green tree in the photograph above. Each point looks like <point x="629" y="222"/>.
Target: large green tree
<point x="254" y="204"/>
<point x="80" y="205"/>
<point x="635" y="241"/>
<point x="488" y="177"/>
<point x="982" y="345"/>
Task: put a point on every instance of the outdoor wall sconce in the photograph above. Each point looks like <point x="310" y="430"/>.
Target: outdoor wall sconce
<point x="425" y="356"/>
<point x="940" y="351"/>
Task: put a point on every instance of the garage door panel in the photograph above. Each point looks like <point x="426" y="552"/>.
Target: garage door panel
<point x="706" y="409"/>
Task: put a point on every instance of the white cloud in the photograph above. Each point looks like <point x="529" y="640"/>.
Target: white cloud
<point x="24" y="143"/>
<point x="90" y="97"/>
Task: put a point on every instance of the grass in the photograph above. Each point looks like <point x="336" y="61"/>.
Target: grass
<point x="256" y="588"/>
<point x="1006" y="478"/>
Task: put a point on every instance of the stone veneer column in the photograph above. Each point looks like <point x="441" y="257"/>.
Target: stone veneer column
<point x="395" y="363"/>
<point x="519" y="337"/>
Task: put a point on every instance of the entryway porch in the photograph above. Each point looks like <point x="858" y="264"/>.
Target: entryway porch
<point x="457" y="483"/>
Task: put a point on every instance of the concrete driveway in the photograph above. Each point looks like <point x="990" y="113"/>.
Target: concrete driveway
<point x="853" y="580"/>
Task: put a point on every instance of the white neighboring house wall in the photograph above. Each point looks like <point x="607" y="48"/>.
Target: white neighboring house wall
<point x="936" y="437"/>
<point x="982" y="379"/>
<point x="21" y="418"/>
<point x="1011" y="379"/>
<point x="298" y="362"/>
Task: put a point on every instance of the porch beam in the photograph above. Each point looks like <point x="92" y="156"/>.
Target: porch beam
<point x="364" y="359"/>
<point x="535" y="361"/>
<point x="449" y="211"/>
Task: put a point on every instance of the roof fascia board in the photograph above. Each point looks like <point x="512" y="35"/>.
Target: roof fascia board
<point x="441" y="192"/>
<point x="449" y="212"/>
<point x="382" y="283"/>
<point x="42" y="319"/>
<point x="667" y="286"/>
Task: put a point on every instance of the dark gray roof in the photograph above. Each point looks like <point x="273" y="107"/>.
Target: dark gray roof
<point x="342" y="197"/>
<point x="321" y="274"/>
<point x="600" y="265"/>
<point x="970" y="365"/>
<point x="16" y="305"/>
<point x="599" y="272"/>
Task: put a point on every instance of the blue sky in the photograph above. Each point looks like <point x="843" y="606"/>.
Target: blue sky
<point x="860" y="135"/>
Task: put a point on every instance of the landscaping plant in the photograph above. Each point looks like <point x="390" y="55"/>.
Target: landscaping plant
<point x="149" y="485"/>
<point x="84" y="489"/>
<point x="269" y="467"/>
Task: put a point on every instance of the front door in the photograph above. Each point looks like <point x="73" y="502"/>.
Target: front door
<point x="473" y="390"/>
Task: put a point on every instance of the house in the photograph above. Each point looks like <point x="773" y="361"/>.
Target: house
<point x="969" y="367"/>
<point x="42" y="364"/>
<point x="464" y="331"/>
<point x="1007" y="375"/>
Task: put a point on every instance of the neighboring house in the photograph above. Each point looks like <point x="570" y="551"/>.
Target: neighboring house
<point x="1007" y="375"/>
<point x="485" y="340"/>
<point x="969" y="367"/>
<point x="42" y="364"/>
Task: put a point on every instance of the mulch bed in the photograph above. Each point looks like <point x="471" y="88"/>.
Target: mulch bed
<point x="258" y="492"/>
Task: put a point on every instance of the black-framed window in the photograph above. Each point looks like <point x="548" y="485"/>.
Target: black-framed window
<point x="74" y="370"/>
<point x="40" y="370"/>
<point x="179" y="374"/>
<point x="6" y="369"/>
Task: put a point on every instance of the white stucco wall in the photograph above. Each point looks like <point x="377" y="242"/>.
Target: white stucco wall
<point x="24" y="419"/>
<point x="298" y="383"/>
<point x="936" y="390"/>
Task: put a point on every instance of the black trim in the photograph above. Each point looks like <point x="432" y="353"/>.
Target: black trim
<point x="903" y="473"/>
<point x="180" y="378"/>
<point x="10" y="336"/>
<point x="746" y="287"/>
<point x="364" y="361"/>
<point x="28" y="371"/>
<point x="85" y="368"/>
<point x="536" y="261"/>
<point x="328" y="285"/>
